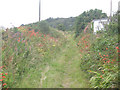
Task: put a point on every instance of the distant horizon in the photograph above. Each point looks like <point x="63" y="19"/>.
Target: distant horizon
<point x="12" y="26"/>
<point x="48" y="18"/>
<point x="17" y="12"/>
<point x="45" y="19"/>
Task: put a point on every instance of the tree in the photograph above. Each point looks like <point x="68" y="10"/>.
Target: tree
<point x="61" y="27"/>
<point x="86" y="17"/>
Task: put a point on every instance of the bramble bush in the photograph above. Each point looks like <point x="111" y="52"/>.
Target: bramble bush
<point x="24" y="50"/>
<point x="100" y="58"/>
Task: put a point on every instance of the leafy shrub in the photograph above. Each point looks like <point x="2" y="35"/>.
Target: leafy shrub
<point x="25" y="50"/>
<point x="44" y="27"/>
<point x="100" y="58"/>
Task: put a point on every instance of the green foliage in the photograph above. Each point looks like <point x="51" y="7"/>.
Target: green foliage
<point x="67" y="22"/>
<point x="27" y="50"/>
<point x="119" y="22"/>
<point x="86" y="17"/>
<point x="55" y="34"/>
<point x="114" y="25"/>
<point x="44" y="27"/>
<point x="61" y="27"/>
<point x="100" y="59"/>
<point x="25" y="53"/>
<point x="15" y="30"/>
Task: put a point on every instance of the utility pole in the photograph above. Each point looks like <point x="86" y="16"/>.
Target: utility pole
<point x="118" y="6"/>
<point x="39" y="10"/>
<point x="111" y="11"/>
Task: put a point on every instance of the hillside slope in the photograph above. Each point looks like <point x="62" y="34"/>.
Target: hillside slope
<point x="68" y="23"/>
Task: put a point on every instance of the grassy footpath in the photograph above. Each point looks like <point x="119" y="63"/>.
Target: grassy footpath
<point x="64" y="70"/>
<point x="36" y="56"/>
<point x="37" y="60"/>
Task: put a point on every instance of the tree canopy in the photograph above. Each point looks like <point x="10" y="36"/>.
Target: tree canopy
<point x="86" y="17"/>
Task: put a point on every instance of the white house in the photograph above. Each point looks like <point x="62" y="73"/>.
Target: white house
<point x="98" y="24"/>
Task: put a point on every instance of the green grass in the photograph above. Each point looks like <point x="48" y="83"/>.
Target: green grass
<point x="56" y="59"/>
<point x="61" y="69"/>
<point x="65" y="69"/>
<point x="25" y="61"/>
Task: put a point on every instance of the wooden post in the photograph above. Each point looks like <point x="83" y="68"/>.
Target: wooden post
<point x="39" y="10"/>
<point x="111" y="11"/>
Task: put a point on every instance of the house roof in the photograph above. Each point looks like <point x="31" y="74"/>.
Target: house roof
<point x="103" y="19"/>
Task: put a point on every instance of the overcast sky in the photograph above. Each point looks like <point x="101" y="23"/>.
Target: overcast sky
<point x="17" y="12"/>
